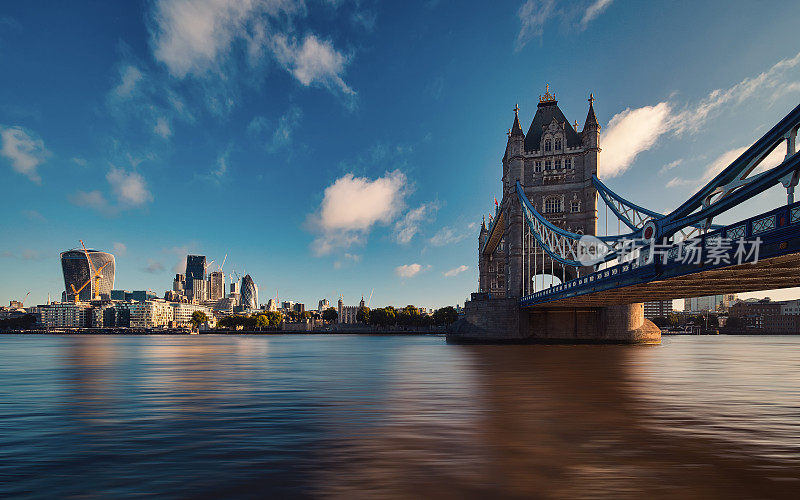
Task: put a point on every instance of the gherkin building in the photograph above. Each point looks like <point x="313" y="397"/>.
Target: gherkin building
<point x="249" y="297"/>
<point x="75" y="266"/>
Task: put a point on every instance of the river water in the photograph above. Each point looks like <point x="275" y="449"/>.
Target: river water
<point x="397" y="417"/>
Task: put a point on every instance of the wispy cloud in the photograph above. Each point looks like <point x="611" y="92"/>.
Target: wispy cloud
<point x="33" y="215"/>
<point x="408" y="226"/>
<point x="153" y="267"/>
<point x="120" y="249"/>
<point x="449" y="235"/>
<point x="455" y="271"/>
<point x="633" y="131"/>
<point x="534" y="15"/>
<point x="595" y="9"/>
<point x="287" y="124"/>
<point x="24" y="150"/>
<point x="722" y="161"/>
<point x="313" y="61"/>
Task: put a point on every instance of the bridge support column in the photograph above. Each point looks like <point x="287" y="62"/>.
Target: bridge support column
<point x="502" y="320"/>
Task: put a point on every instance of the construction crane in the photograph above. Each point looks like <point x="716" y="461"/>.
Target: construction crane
<point x="95" y="276"/>
<point x="369" y="300"/>
<point x="96" y="292"/>
<point x="22" y="302"/>
<point x="223" y="262"/>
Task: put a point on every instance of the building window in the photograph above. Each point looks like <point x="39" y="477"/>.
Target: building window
<point x="558" y="144"/>
<point x="568" y="163"/>
<point x="501" y="284"/>
<point x="538" y="166"/>
<point x="575" y="206"/>
<point x="552" y="205"/>
<point x="548" y="145"/>
<point x="548" y="164"/>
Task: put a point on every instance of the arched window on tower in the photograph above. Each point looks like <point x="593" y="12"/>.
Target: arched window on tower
<point x="558" y="144"/>
<point x="568" y="163"/>
<point x="548" y="145"/>
<point x="552" y="205"/>
<point x="575" y="206"/>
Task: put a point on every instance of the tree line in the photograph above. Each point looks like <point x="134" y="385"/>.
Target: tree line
<point x="389" y="316"/>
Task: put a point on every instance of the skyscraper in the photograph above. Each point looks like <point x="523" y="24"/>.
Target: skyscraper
<point x="195" y="270"/>
<point x="77" y="273"/>
<point x="216" y="285"/>
<point x="249" y="298"/>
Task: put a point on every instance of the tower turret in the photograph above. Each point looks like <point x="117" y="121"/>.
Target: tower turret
<point x="513" y="162"/>
<point x="591" y="128"/>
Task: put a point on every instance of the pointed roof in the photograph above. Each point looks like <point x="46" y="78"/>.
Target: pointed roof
<point x="546" y="111"/>
<point x="591" y="119"/>
<point x="516" y="129"/>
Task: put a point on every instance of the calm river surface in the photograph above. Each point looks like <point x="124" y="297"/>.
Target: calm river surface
<point x="397" y="417"/>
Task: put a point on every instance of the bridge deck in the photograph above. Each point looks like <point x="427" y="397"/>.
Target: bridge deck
<point x="778" y="266"/>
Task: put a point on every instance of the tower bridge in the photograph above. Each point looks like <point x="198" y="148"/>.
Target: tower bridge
<point x="546" y="228"/>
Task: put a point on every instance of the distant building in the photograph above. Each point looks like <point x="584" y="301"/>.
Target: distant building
<point x="77" y="273"/>
<point x="235" y="288"/>
<point x="347" y="314"/>
<point x="272" y="305"/>
<point x="179" y="283"/>
<point x="197" y="291"/>
<point x="182" y="313"/>
<point x="67" y="314"/>
<point x="216" y="285"/>
<point x="657" y="308"/>
<point x="790" y="307"/>
<point x="195" y="270"/>
<point x="752" y="314"/>
<point x="249" y="297"/>
<point x="323" y="305"/>
<point x="711" y="303"/>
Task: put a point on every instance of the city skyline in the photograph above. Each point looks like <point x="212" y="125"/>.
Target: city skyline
<point x="324" y="159"/>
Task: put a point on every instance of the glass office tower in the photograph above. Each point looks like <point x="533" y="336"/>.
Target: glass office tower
<point x="75" y="266"/>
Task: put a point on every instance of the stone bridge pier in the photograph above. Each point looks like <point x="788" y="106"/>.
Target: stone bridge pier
<point x="503" y="320"/>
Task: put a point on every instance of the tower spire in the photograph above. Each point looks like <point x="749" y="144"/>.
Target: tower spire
<point x="516" y="129"/>
<point x="591" y="119"/>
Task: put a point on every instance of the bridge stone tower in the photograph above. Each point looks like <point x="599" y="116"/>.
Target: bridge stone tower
<point x="554" y="163"/>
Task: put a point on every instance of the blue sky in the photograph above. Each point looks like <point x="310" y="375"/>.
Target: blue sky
<point x="336" y="147"/>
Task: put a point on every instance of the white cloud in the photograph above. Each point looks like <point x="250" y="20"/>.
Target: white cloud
<point x="120" y="249"/>
<point x="192" y="35"/>
<point x="352" y="205"/>
<point x="408" y="226"/>
<point x="130" y="188"/>
<point x="669" y="166"/>
<point x="636" y="130"/>
<point x="594" y="10"/>
<point x="197" y="37"/>
<point x="455" y="271"/>
<point x="408" y="270"/>
<point x="313" y="62"/>
<point x="24" y="150"/>
<point x="629" y="133"/>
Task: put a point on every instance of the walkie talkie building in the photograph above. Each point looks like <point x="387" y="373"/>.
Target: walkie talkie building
<point x="77" y="273"/>
<point x="249" y="297"/>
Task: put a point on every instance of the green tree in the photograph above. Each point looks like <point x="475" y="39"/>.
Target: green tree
<point x="198" y="318"/>
<point x="330" y="315"/>
<point x="362" y="316"/>
<point x="262" y="320"/>
<point x="408" y="316"/>
<point x="660" y="321"/>
<point x="445" y="315"/>
<point x="275" y="318"/>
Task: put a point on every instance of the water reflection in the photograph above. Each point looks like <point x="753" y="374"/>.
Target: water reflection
<point x="397" y="417"/>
